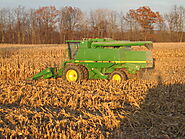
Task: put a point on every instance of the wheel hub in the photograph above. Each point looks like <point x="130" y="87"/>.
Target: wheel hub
<point x="71" y="75"/>
<point x="116" y="77"/>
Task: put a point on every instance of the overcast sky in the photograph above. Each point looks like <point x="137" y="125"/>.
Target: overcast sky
<point x="162" y="6"/>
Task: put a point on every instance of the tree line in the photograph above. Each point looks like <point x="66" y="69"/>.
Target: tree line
<point x="48" y="25"/>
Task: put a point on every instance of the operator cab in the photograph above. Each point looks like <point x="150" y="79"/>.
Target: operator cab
<point x="73" y="48"/>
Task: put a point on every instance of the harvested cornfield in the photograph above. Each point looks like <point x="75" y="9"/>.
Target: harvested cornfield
<point x="152" y="107"/>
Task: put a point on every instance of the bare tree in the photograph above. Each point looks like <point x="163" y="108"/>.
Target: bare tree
<point x="98" y="22"/>
<point x="70" y="22"/>
<point x="3" y="22"/>
<point x="103" y="23"/>
<point x="176" y="23"/>
<point x="112" y="24"/>
<point x="20" y="25"/>
<point x="46" y="20"/>
<point x="130" y="27"/>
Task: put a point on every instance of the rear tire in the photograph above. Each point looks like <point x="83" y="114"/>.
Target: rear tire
<point x="75" y="73"/>
<point x="85" y="72"/>
<point x="118" y="75"/>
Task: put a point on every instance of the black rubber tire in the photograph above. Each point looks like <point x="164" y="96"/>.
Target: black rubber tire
<point x="121" y="73"/>
<point x="85" y="72"/>
<point x="80" y="69"/>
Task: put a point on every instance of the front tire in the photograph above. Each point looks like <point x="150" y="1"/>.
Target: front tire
<point x="73" y="73"/>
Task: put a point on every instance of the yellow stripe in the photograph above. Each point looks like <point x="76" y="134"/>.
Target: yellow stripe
<point x="89" y="61"/>
<point x="129" y="61"/>
<point x="105" y="61"/>
<point x="86" y="61"/>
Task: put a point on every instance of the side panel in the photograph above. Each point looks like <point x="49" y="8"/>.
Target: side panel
<point x="134" y="57"/>
<point x="129" y="55"/>
<point x="98" y="54"/>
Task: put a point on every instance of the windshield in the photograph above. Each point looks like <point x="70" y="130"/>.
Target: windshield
<point x="73" y="48"/>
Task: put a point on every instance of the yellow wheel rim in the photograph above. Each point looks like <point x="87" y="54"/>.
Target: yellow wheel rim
<point x="116" y="77"/>
<point x="71" y="75"/>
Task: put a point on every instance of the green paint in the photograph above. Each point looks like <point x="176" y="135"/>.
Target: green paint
<point x="97" y="74"/>
<point x="47" y="73"/>
<point x="103" y="56"/>
<point x="119" y="43"/>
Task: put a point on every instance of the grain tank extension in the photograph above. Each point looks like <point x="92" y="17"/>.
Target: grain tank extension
<point x="102" y="59"/>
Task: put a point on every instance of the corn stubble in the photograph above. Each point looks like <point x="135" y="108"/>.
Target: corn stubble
<point x="54" y="108"/>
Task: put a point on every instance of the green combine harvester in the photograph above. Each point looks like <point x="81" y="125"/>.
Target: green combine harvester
<point x="102" y="59"/>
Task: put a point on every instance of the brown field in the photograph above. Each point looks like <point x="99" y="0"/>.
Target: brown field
<point x="152" y="107"/>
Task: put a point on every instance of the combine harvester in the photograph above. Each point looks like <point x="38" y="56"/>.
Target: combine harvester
<point x="102" y="59"/>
